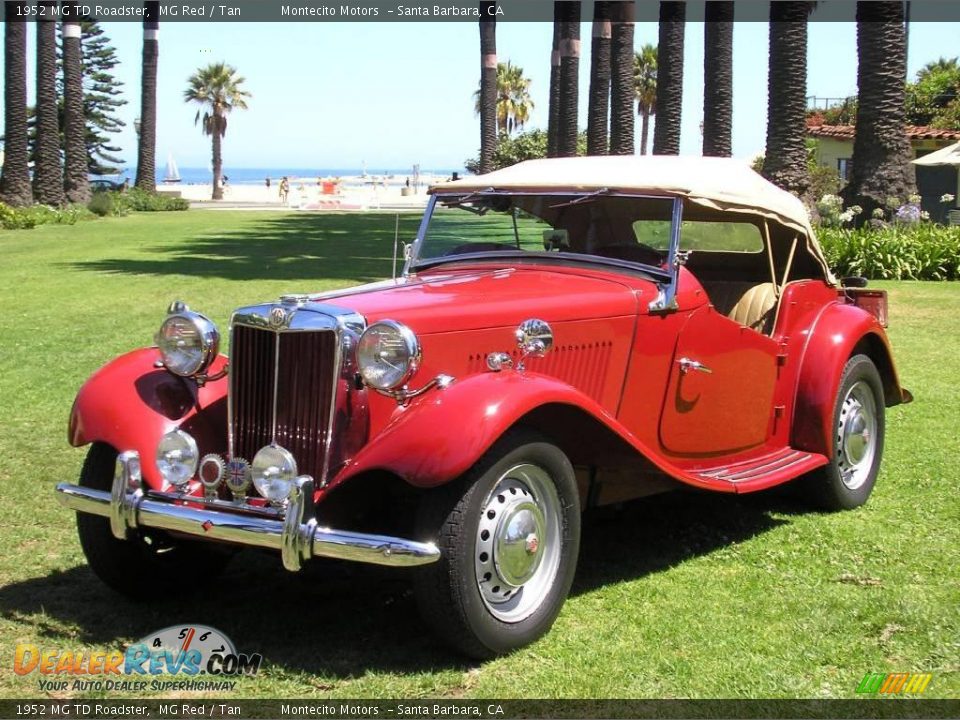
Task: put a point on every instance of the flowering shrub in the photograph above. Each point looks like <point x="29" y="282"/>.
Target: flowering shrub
<point x="24" y="218"/>
<point x="914" y="251"/>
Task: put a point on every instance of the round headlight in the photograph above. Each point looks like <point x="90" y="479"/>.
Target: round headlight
<point x="177" y="458"/>
<point x="388" y="354"/>
<point x="274" y="471"/>
<point x="188" y="343"/>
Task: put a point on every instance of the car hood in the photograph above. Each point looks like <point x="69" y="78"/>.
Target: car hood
<point x="491" y="297"/>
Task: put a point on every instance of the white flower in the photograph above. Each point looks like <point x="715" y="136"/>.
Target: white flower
<point x="877" y="213"/>
<point x="855" y="209"/>
<point x="892" y="202"/>
<point x="846" y="216"/>
<point x="924" y="215"/>
<point x="946" y="198"/>
<point x="914" y="199"/>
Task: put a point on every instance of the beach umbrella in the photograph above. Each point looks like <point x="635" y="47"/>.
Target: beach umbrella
<point x="949" y="155"/>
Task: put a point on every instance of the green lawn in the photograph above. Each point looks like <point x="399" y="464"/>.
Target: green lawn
<point x="676" y="596"/>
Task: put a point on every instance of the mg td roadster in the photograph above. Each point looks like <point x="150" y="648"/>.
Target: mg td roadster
<point x="565" y="334"/>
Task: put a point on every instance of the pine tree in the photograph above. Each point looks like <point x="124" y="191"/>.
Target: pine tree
<point x="101" y="99"/>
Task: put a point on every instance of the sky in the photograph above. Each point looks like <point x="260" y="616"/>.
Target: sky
<point x="388" y="95"/>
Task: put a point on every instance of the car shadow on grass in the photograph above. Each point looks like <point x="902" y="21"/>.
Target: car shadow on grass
<point x="306" y="248"/>
<point x="338" y="620"/>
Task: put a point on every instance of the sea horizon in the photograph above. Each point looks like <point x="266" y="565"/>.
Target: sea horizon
<point x="256" y="176"/>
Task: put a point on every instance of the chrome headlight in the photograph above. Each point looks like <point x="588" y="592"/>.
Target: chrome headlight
<point x="274" y="471"/>
<point x="177" y="458"/>
<point x="388" y="355"/>
<point x="187" y="340"/>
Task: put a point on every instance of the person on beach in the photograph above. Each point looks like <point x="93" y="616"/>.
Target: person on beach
<point x="284" y="189"/>
<point x="268" y="182"/>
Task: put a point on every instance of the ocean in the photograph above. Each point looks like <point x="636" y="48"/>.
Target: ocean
<point x="258" y="176"/>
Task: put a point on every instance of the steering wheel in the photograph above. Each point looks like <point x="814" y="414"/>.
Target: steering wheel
<point x="633" y="252"/>
<point x="472" y="247"/>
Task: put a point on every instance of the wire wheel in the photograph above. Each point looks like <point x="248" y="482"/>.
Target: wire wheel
<point x="518" y="543"/>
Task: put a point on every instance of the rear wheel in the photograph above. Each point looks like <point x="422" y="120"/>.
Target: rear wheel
<point x="150" y="563"/>
<point x="509" y="534"/>
<point x="858" y="434"/>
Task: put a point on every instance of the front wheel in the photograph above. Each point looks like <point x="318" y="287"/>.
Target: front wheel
<point x="509" y="534"/>
<point x="150" y="564"/>
<point x="858" y="433"/>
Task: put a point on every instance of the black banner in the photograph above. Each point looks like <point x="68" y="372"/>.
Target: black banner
<point x="485" y="709"/>
<point x="413" y="11"/>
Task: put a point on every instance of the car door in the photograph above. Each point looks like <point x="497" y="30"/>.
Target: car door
<point x="719" y="397"/>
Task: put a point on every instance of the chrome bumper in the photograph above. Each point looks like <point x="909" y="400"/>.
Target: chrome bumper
<point x="296" y="535"/>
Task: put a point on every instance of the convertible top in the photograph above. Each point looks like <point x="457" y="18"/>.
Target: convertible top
<point x="721" y="184"/>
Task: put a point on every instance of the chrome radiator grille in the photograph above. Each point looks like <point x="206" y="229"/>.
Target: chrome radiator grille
<point x="281" y="391"/>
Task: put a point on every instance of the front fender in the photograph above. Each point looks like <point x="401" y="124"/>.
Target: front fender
<point x="840" y="332"/>
<point x="440" y="436"/>
<point x="129" y="403"/>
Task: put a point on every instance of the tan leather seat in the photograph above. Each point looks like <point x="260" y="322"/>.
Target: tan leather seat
<point x="749" y="304"/>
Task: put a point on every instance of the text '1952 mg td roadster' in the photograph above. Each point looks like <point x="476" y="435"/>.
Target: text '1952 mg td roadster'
<point x="565" y="334"/>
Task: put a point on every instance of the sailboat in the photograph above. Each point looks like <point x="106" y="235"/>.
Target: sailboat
<point x="173" y="174"/>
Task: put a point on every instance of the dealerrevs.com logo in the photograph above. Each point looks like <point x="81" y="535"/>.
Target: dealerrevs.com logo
<point x="171" y="659"/>
<point x="894" y="683"/>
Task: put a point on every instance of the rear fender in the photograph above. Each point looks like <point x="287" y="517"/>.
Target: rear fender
<point x="440" y="436"/>
<point x="129" y="403"/>
<point x="840" y="332"/>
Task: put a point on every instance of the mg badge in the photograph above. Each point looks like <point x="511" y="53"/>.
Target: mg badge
<point x="238" y="477"/>
<point x="278" y="317"/>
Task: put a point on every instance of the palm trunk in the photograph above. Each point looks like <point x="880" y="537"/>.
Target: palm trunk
<point x="216" y="146"/>
<point x="47" y="173"/>
<point x="76" y="182"/>
<point x="147" y="140"/>
<point x="553" y="118"/>
<point x="666" y="131"/>
<point x="881" y="151"/>
<point x="644" y="130"/>
<point x="718" y="79"/>
<point x="15" y="177"/>
<point x="569" y="80"/>
<point x="599" y="107"/>
<point x="488" y="87"/>
<point x="622" y="91"/>
<point x="785" y="162"/>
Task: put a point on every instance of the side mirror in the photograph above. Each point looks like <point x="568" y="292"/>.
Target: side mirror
<point x="854" y="282"/>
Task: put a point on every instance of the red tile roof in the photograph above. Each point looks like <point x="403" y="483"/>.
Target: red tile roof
<point x="914" y="132"/>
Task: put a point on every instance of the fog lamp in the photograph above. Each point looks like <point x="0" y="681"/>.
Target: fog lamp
<point x="274" y="471"/>
<point x="177" y="458"/>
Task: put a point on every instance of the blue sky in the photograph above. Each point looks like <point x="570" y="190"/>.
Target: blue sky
<point x="335" y="95"/>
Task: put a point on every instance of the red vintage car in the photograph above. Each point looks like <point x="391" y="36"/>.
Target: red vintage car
<point x="565" y="334"/>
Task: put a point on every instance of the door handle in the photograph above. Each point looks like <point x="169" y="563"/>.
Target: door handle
<point x="686" y="365"/>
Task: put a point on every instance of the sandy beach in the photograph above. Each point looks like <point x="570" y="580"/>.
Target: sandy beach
<point x="310" y="194"/>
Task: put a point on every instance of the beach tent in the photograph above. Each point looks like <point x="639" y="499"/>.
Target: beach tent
<point x="943" y="159"/>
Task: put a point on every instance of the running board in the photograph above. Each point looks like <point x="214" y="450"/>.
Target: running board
<point x="765" y="471"/>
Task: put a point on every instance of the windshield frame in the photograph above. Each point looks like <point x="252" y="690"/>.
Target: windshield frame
<point x="666" y="277"/>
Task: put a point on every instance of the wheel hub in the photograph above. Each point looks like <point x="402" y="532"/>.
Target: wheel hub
<point x="856" y="430"/>
<point x="518" y="543"/>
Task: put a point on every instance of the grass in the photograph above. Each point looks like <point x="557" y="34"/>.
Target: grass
<point x="676" y="596"/>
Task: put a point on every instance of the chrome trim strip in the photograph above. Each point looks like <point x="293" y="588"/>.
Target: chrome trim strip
<point x="297" y="536"/>
<point x="276" y="387"/>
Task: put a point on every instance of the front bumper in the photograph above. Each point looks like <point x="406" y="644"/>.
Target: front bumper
<point x="296" y="535"/>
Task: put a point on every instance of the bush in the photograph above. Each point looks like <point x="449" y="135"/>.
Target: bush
<point x="142" y="201"/>
<point x="24" y="218"/>
<point x="106" y="204"/>
<point x="921" y="251"/>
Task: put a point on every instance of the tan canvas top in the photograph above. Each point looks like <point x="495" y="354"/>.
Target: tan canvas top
<point x="722" y="184"/>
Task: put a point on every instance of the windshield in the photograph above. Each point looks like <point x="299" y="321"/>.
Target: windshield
<point x="586" y="226"/>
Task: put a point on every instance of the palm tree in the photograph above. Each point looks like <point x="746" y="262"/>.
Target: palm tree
<point x="666" y="131"/>
<point x="488" y="87"/>
<point x="15" y="178"/>
<point x="569" y="80"/>
<point x="47" y="172"/>
<point x="513" y="98"/>
<point x="76" y="182"/>
<point x="785" y="160"/>
<point x="147" y="139"/>
<point x="621" y="80"/>
<point x="599" y="105"/>
<point x="937" y="66"/>
<point x="881" y="151"/>
<point x="553" y="118"/>
<point x="645" y="89"/>
<point x="718" y="79"/>
<point x="218" y="90"/>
